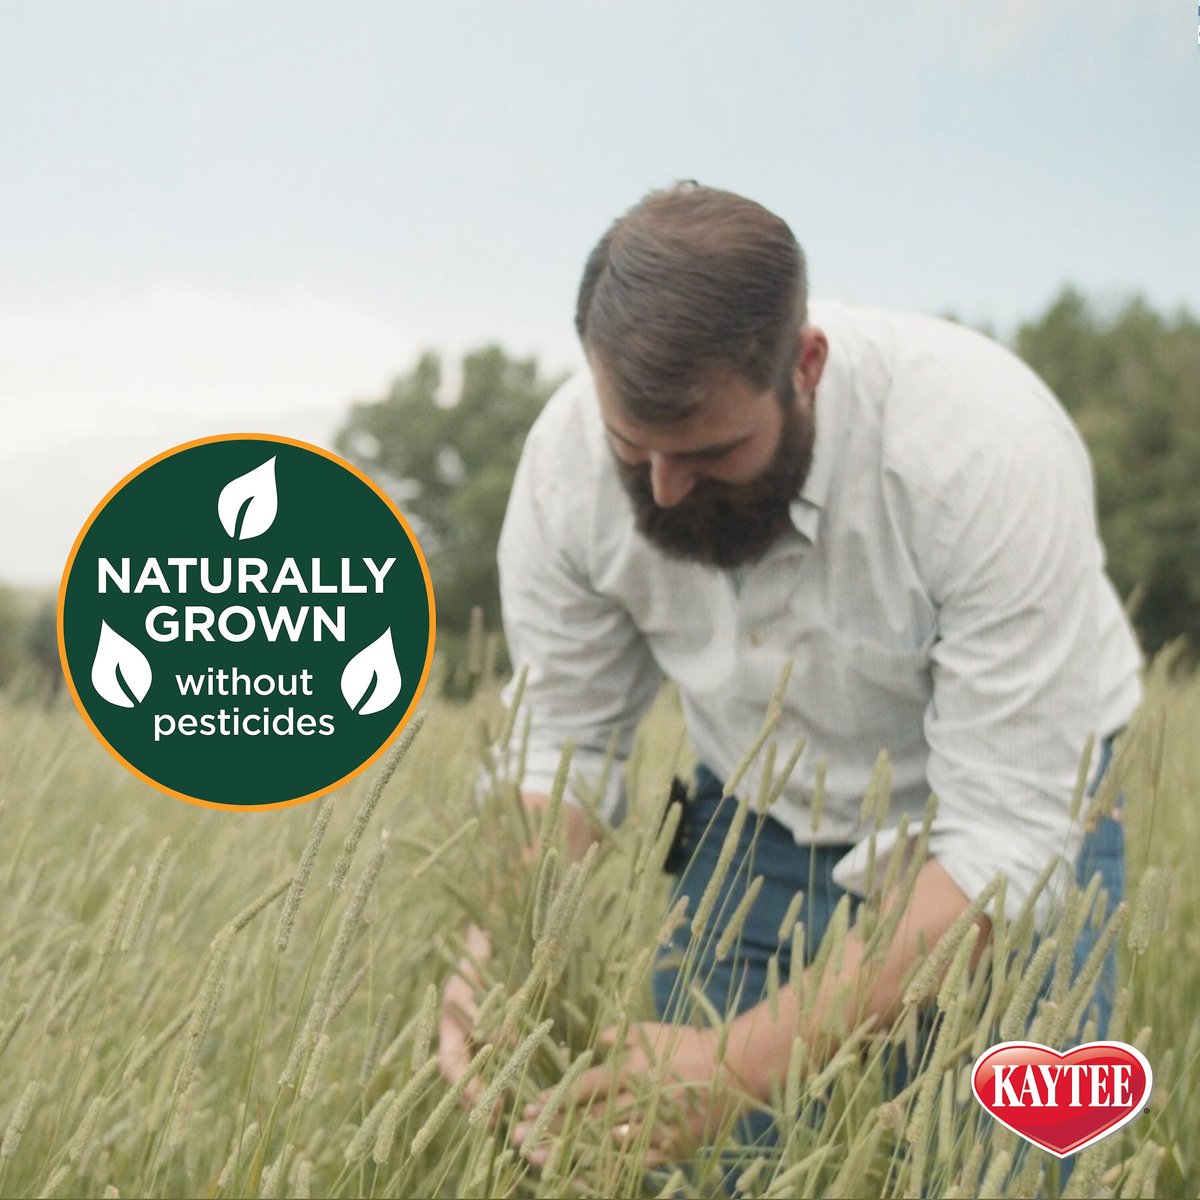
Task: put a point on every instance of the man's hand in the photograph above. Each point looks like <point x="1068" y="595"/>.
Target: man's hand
<point x="460" y="998"/>
<point x="678" y="1066"/>
<point x="460" y="1007"/>
<point x="697" y="1091"/>
<point x="460" y="1003"/>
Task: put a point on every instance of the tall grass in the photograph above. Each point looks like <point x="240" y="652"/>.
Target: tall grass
<point x="204" y="1003"/>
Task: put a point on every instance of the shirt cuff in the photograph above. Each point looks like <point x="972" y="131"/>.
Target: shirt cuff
<point x="971" y="869"/>
<point x="587" y="786"/>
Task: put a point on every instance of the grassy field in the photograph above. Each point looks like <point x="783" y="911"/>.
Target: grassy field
<point x="203" y="1003"/>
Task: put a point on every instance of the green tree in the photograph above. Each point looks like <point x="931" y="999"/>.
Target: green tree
<point x="450" y="465"/>
<point x="12" y="634"/>
<point x="29" y="663"/>
<point x="41" y="644"/>
<point x="1131" y="380"/>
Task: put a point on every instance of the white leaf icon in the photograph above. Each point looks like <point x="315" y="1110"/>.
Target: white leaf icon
<point x="376" y="664"/>
<point x="115" y="653"/>
<point x="254" y="495"/>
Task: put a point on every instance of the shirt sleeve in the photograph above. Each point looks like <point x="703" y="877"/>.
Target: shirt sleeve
<point x="589" y="676"/>
<point x="1013" y="665"/>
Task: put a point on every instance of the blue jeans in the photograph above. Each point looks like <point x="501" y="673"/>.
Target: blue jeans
<point x="740" y="981"/>
<point x="1103" y="851"/>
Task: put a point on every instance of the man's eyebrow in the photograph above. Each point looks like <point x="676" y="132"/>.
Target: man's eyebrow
<point x="713" y="451"/>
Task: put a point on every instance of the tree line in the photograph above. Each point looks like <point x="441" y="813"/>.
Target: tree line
<point x="1129" y="376"/>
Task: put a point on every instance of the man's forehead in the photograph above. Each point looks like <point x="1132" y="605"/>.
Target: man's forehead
<point x="703" y="433"/>
<point x="727" y="409"/>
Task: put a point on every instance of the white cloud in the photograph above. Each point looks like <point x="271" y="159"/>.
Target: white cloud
<point x="92" y="387"/>
<point x="171" y="352"/>
<point x="993" y="34"/>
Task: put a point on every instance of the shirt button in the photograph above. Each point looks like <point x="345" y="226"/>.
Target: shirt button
<point x="756" y="639"/>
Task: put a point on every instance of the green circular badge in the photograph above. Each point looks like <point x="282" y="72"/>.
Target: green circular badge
<point x="246" y="621"/>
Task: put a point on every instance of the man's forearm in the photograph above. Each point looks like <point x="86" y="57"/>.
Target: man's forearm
<point x="759" y="1047"/>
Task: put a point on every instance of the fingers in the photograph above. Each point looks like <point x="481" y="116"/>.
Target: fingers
<point x="626" y="1115"/>
<point x="477" y="950"/>
<point x="454" y="1047"/>
<point x="621" y="1119"/>
<point x="478" y="944"/>
<point x="625" y="1130"/>
<point x="456" y="1050"/>
<point x="595" y="1086"/>
<point x="592" y="1086"/>
<point x="458" y="1001"/>
<point x="459" y="1012"/>
<point x="609" y="1037"/>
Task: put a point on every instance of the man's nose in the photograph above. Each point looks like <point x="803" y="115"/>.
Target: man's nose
<point x="669" y="481"/>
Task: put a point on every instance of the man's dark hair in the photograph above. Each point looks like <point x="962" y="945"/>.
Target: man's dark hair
<point x="689" y="284"/>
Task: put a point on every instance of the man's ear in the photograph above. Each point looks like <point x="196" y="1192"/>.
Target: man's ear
<point x="812" y="350"/>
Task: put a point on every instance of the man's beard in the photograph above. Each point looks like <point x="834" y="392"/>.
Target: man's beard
<point x="729" y="524"/>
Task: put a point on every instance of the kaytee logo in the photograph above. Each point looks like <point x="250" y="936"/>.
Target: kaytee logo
<point x="1062" y="1102"/>
<point x="246" y="621"/>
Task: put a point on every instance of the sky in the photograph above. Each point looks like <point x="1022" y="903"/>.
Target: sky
<point x="220" y="217"/>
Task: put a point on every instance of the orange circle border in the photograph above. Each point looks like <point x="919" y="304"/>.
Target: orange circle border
<point x="253" y="437"/>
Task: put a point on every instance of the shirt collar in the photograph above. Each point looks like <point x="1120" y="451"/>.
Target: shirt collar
<point x="832" y="402"/>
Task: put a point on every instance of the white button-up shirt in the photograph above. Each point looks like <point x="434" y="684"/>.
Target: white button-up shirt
<point x="941" y="595"/>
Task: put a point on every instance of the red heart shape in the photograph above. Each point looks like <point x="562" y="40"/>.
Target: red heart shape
<point x="1062" y="1102"/>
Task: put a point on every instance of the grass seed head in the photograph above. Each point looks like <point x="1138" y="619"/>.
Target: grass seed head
<point x="997" y="1175"/>
<point x="19" y="1119"/>
<point x="302" y="1180"/>
<point x="236" y="1154"/>
<point x="400" y="1107"/>
<point x="145" y="892"/>
<point x="1148" y="903"/>
<point x="304" y="870"/>
<point x="426" y="1021"/>
<point x="1016" y="1016"/>
<point x="449" y="1102"/>
<point x="312" y="1076"/>
<point x="509" y="1073"/>
<point x="553" y="1102"/>
<point x="375" y="1043"/>
<point x="733" y="930"/>
<point x="364" y="1135"/>
<point x="57" y="1178"/>
<point x="268" y="1185"/>
<point x="9" y="1029"/>
<point x="362" y="818"/>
